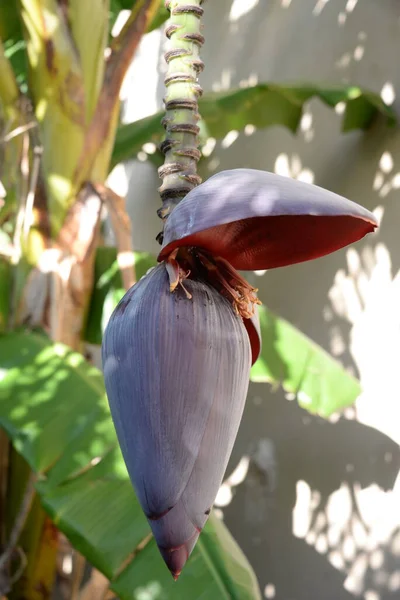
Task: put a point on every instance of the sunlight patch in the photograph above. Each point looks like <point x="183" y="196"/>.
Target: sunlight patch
<point x="240" y="8"/>
<point x="388" y="94"/>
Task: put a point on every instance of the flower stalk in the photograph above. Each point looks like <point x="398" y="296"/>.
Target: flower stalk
<point x="180" y="147"/>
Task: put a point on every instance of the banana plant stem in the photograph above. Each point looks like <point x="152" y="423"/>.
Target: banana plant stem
<point x="180" y="147"/>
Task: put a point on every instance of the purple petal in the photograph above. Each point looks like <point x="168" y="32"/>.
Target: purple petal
<point x="176" y="373"/>
<point x="259" y="220"/>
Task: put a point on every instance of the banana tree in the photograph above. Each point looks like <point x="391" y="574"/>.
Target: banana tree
<point x="59" y="93"/>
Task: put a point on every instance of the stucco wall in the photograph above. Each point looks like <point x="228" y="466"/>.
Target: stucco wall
<point x="315" y="505"/>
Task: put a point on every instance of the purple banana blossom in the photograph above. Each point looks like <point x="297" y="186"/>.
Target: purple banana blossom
<point x="179" y="346"/>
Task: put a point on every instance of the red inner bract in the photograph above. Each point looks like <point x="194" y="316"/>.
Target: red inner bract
<point x="277" y="241"/>
<point x="254" y="337"/>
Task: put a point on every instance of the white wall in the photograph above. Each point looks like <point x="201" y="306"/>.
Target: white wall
<point x="318" y="510"/>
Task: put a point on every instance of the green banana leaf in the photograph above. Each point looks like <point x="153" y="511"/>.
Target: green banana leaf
<point x="289" y="358"/>
<point x="261" y="105"/>
<point x="54" y="408"/>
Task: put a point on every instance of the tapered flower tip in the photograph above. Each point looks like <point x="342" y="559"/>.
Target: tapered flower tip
<point x="185" y="532"/>
<point x="176" y="369"/>
<point x="259" y="220"/>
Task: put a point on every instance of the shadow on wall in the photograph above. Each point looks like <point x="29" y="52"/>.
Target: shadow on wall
<point x="314" y="512"/>
<point x="355" y="293"/>
<point x="314" y="40"/>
